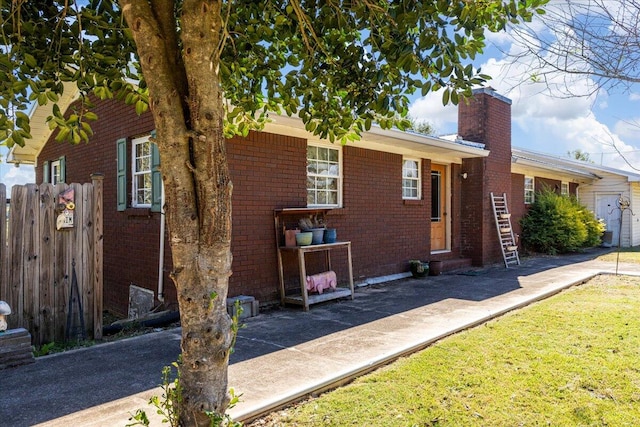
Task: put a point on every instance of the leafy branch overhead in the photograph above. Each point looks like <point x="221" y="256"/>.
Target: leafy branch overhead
<point x="340" y="65"/>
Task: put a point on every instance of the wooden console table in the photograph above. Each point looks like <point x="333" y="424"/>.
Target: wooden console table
<point x="305" y="299"/>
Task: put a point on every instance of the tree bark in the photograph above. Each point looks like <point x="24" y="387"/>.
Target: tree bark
<point x="188" y="113"/>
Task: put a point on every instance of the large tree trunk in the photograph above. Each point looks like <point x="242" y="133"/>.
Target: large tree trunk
<point x="187" y="106"/>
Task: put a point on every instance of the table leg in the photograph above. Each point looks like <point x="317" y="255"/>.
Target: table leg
<point x="281" y="277"/>
<point x="303" y="279"/>
<point x="350" y="270"/>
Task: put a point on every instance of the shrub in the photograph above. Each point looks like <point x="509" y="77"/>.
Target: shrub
<point x="559" y="224"/>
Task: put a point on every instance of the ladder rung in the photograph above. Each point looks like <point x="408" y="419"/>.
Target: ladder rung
<point x="503" y="227"/>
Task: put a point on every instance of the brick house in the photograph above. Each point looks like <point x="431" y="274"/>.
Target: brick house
<point x="394" y="195"/>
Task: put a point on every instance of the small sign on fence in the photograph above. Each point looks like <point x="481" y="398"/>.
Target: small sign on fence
<point x="67" y="204"/>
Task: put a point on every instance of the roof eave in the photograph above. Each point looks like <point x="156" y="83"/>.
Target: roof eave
<point x="40" y="131"/>
<point x="388" y="140"/>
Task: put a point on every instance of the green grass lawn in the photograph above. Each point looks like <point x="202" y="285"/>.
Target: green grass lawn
<point x="571" y="360"/>
<point x="625" y="255"/>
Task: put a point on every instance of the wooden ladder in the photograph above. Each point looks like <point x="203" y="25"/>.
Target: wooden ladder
<point x="505" y="232"/>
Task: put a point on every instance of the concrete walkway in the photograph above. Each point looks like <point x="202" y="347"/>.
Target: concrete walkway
<point x="287" y="353"/>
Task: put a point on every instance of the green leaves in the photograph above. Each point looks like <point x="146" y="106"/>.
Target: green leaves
<point x="341" y="66"/>
<point x="345" y="61"/>
<point x="47" y="43"/>
<point x="75" y="128"/>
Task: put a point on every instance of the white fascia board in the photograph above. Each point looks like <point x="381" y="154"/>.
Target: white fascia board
<point x="390" y="141"/>
<point x="576" y="164"/>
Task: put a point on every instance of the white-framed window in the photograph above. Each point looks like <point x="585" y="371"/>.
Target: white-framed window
<point x="411" y="179"/>
<point x="139" y="182"/>
<point x="529" y="190"/>
<point x="53" y="171"/>
<point x="141" y="172"/>
<point x="324" y="180"/>
<point x="56" y="170"/>
<point x="564" y="188"/>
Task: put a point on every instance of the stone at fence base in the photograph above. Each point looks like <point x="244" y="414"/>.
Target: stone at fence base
<point x="15" y="348"/>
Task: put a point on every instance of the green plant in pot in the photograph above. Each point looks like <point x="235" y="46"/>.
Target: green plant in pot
<point x="418" y="268"/>
<point x="315" y="225"/>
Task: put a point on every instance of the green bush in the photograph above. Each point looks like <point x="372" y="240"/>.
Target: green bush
<point x="559" y="224"/>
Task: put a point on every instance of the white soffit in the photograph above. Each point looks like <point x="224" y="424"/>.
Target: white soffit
<point x="40" y="129"/>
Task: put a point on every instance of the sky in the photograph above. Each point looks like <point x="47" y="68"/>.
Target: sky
<point x="548" y="122"/>
<point x="541" y="121"/>
<point x="11" y="175"/>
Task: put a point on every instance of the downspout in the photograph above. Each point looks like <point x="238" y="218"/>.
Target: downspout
<point x="161" y="252"/>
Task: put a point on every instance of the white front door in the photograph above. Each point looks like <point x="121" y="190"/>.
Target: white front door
<point x="607" y="209"/>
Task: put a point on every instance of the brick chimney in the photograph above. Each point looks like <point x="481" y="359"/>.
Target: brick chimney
<point x="484" y="118"/>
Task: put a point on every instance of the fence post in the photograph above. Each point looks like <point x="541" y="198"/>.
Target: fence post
<point x="3" y="243"/>
<point x="47" y="311"/>
<point x="97" y="181"/>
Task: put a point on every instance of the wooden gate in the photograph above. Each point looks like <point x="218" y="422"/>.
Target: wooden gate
<point x="38" y="259"/>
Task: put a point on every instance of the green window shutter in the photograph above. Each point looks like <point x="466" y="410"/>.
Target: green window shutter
<point x="63" y="169"/>
<point x="122" y="174"/>
<point x="46" y="173"/>
<point x="156" y="178"/>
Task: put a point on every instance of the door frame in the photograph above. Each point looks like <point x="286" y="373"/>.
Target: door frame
<point x="446" y="214"/>
<point x="620" y="224"/>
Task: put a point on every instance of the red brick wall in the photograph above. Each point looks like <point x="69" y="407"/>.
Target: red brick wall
<point x="455" y="212"/>
<point x="472" y="225"/>
<point x="268" y="172"/>
<point x="385" y="230"/>
<point x="486" y="118"/>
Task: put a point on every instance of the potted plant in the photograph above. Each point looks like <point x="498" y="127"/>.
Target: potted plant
<point x="315" y="225"/>
<point x="435" y="267"/>
<point x="418" y="268"/>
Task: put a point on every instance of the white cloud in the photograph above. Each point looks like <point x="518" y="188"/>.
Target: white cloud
<point x="544" y="118"/>
<point x="629" y="130"/>
<point x="11" y="175"/>
<point x="430" y="109"/>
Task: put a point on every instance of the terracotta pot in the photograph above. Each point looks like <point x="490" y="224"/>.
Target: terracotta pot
<point x="290" y="237"/>
<point x="435" y="268"/>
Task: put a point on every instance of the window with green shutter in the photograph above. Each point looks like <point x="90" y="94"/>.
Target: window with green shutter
<point x="54" y="171"/>
<point x="146" y="179"/>
<point x="156" y="177"/>
<point x="122" y="174"/>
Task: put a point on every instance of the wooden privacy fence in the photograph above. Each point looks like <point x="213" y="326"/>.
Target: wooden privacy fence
<point x="38" y="260"/>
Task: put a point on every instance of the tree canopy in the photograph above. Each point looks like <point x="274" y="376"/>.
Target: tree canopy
<point x="594" y="38"/>
<point x="339" y="65"/>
